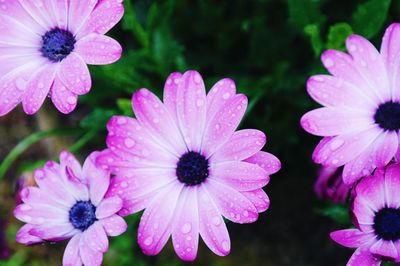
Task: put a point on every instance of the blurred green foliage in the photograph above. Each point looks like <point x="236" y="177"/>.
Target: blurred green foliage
<point x="269" y="47"/>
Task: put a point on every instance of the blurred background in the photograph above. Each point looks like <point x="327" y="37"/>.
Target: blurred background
<point x="270" y="48"/>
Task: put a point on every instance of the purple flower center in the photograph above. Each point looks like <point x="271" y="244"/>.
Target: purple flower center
<point x="192" y="168"/>
<point x="388" y="116"/>
<point x="387" y="224"/>
<point x="82" y="215"/>
<point x="57" y="44"/>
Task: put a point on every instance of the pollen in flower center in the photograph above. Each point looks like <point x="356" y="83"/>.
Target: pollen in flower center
<point x="82" y="215"/>
<point x="388" y="116"/>
<point x="387" y="223"/>
<point x="192" y="168"/>
<point x="57" y="44"/>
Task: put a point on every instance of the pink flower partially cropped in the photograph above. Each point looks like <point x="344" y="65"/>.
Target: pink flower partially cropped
<point x="45" y="46"/>
<point x="183" y="162"/>
<point x="69" y="203"/>
<point x="360" y="120"/>
<point x="376" y="214"/>
<point x="330" y="185"/>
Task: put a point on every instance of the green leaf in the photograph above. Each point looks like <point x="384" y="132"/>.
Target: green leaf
<point x="130" y="23"/>
<point x="369" y="17"/>
<point x="317" y="44"/>
<point x="125" y="105"/>
<point x="337" y="36"/>
<point x="337" y="213"/>
<point x="28" y="142"/>
<point x="302" y="13"/>
<point x="97" y="119"/>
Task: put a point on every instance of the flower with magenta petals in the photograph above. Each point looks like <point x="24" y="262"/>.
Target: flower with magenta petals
<point x="376" y="214"/>
<point x="183" y="162"/>
<point x="45" y="46"/>
<point x="69" y="203"/>
<point x="330" y="185"/>
<point x="360" y="120"/>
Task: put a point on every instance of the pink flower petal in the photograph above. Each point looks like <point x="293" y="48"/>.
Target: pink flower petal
<point x="380" y="152"/>
<point x="24" y="237"/>
<point x="67" y="159"/>
<point x="233" y="205"/>
<point x="344" y="148"/>
<point x="155" y="224"/>
<point x="105" y="15"/>
<point x="64" y="100"/>
<point x="114" y="225"/>
<point x="13" y="85"/>
<point x="14" y="10"/>
<point x="98" y="178"/>
<point x="129" y="140"/>
<point x="95" y="238"/>
<point x="332" y="91"/>
<point x="332" y="121"/>
<point x="392" y="185"/>
<point x="342" y="66"/>
<point x="96" y="49"/>
<point x="224" y="123"/>
<point x="34" y="195"/>
<point x="38" y="13"/>
<point x="108" y="207"/>
<point x="185" y="226"/>
<point x="364" y="215"/>
<point x="78" y="14"/>
<point x="89" y="256"/>
<point x="370" y="64"/>
<point x="384" y="248"/>
<point x="191" y="108"/>
<point x="362" y="256"/>
<point x="71" y="253"/>
<point x="259" y="198"/>
<point x="53" y="232"/>
<point x="59" y="10"/>
<point x="40" y="214"/>
<point x="38" y="88"/>
<point x="212" y="226"/>
<point x="243" y="144"/>
<point x="241" y="176"/>
<point x="219" y="94"/>
<point x="170" y="94"/>
<point x="152" y="115"/>
<point x="389" y="50"/>
<point x="371" y="191"/>
<point x="74" y="74"/>
<point x="14" y="33"/>
<point x="267" y="161"/>
<point x="50" y="182"/>
<point x="352" y="238"/>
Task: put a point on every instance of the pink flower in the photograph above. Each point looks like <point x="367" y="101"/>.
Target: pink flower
<point x="329" y="185"/>
<point x="376" y="210"/>
<point x="360" y="120"/>
<point x="70" y="204"/>
<point x="45" y="46"/>
<point x="183" y="162"/>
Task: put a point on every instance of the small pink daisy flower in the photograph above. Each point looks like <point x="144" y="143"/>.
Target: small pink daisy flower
<point x="376" y="213"/>
<point x="330" y="185"/>
<point x="45" y="46"/>
<point x="70" y="204"/>
<point x="183" y="162"/>
<point x="360" y="120"/>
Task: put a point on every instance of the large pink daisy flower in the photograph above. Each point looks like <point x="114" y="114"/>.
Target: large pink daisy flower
<point x="70" y="203"/>
<point x="376" y="210"/>
<point x="183" y="162"/>
<point x="361" y="119"/>
<point x="45" y="46"/>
